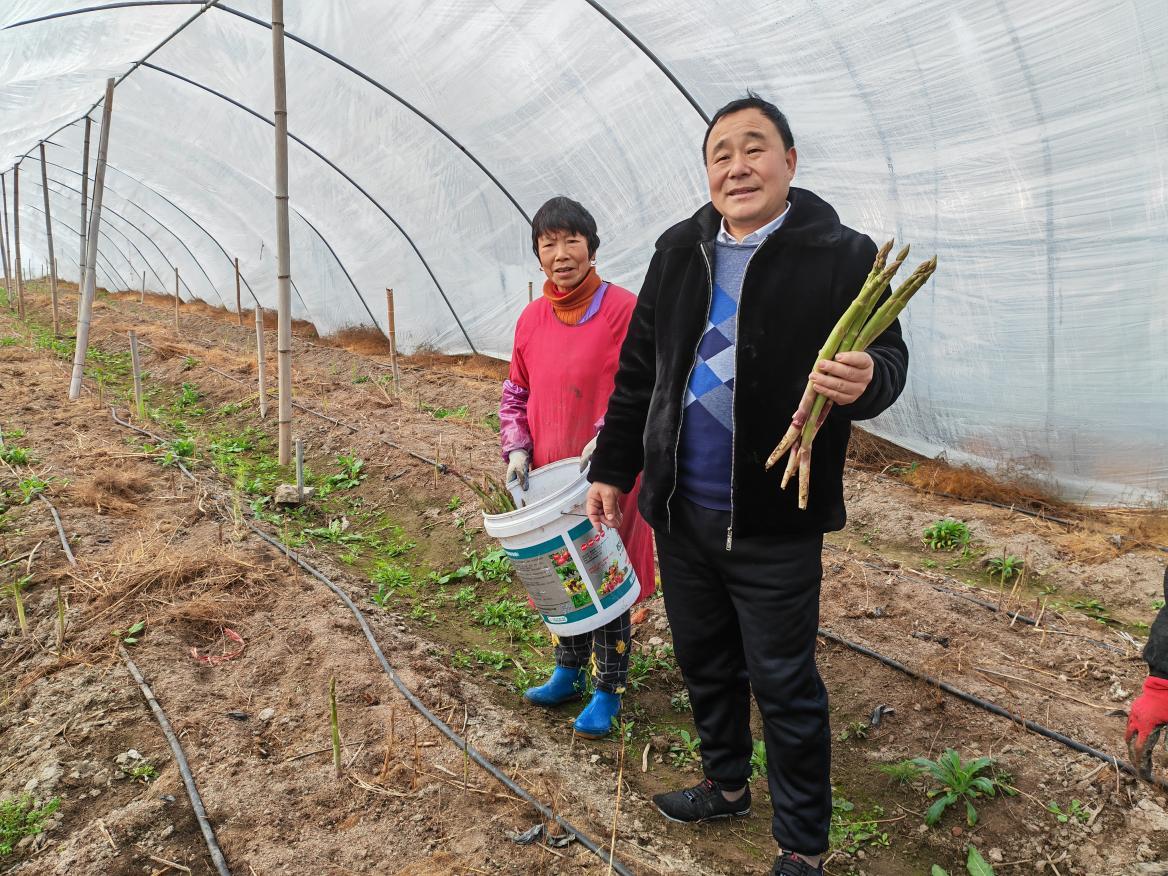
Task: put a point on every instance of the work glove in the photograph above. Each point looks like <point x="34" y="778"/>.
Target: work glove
<point x="1148" y="716"/>
<point x="518" y="466"/>
<point x="586" y="453"/>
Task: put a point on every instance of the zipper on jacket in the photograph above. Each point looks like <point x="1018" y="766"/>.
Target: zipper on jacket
<point x="734" y="391"/>
<point x="681" y="413"/>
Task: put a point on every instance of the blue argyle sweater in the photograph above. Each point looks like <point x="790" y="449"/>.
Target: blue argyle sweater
<point x="704" y="451"/>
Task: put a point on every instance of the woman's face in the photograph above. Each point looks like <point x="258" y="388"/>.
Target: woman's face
<point x="564" y="257"/>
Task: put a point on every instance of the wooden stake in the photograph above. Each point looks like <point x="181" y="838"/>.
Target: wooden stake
<point x="530" y="293"/>
<point x="4" y="238"/>
<point x="283" y="258"/>
<point x="139" y="403"/>
<point x="177" y="299"/>
<point x="142" y="296"/>
<point x="49" y="240"/>
<point x="16" y="237"/>
<point x="259" y="319"/>
<point x="300" y="470"/>
<point x="392" y="342"/>
<point x="336" y="730"/>
<point x="238" y="300"/>
<point x="85" y="306"/>
<point x="84" y="192"/>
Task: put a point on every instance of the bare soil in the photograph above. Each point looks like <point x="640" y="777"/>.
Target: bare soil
<point x="153" y="546"/>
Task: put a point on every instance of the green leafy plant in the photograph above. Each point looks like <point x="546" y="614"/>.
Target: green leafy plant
<point x="957" y="781"/>
<point x="854" y="730"/>
<point x="144" y="771"/>
<point x="31" y="487"/>
<point x="507" y="613"/>
<point x="421" y="613"/>
<point x="1006" y="567"/>
<point x="1093" y="608"/>
<point x="849" y="832"/>
<point x="679" y="702"/>
<point x="493" y="659"/>
<point x="946" y="535"/>
<point x="178" y="449"/>
<point x="758" y="760"/>
<point x="975" y="865"/>
<point x="132" y="635"/>
<point x="465" y="596"/>
<point x="351" y="474"/>
<point x="1076" y="810"/>
<point x="684" y="750"/>
<point x="461" y="660"/>
<point x="230" y="409"/>
<point x="20" y="817"/>
<point x="495" y="565"/>
<point x="1157" y="604"/>
<point x="644" y="663"/>
<point x="389" y="580"/>
<point x="454" y="504"/>
<point x="15" y="456"/>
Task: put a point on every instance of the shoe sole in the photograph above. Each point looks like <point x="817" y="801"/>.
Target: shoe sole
<point x="669" y="817"/>
<point x="584" y="735"/>
<point x="572" y="699"/>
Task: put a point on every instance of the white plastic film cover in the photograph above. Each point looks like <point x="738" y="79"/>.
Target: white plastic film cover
<point x="1024" y="143"/>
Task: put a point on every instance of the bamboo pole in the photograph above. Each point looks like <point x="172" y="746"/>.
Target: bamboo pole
<point x="283" y="260"/>
<point x="139" y="402"/>
<point x="142" y="295"/>
<point x="176" y="299"/>
<point x="16" y="238"/>
<point x="238" y="298"/>
<point x="392" y="341"/>
<point x="530" y="292"/>
<point x="84" y="193"/>
<point x="49" y="240"/>
<point x="85" y="306"/>
<point x="259" y="320"/>
<point x="4" y="224"/>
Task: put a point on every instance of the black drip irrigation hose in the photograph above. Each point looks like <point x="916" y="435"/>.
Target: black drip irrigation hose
<point x="1033" y="726"/>
<point x="587" y="842"/>
<point x="463" y="745"/>
<point x="60" y="531"/>
<point x="183" y="767"/>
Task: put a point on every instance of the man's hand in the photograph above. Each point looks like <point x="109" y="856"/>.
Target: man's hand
<point x="1148" y="716"/>
<point x="518" y="466"/>
<point x="843" y="379"/>
<point x="602" y="505"/>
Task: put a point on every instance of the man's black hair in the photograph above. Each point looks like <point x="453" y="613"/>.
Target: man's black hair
<point x="753" y="101"/>
<point x="564" y="214"/>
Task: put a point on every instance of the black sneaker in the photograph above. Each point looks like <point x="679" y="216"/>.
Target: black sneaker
<point x="788" y="864"/>
<point x="702" y="802"/>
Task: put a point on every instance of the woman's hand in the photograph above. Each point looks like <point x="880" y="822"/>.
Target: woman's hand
<point x="518" y="467"/>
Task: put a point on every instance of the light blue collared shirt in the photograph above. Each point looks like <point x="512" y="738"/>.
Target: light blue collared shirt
<point x="755" y="237"/>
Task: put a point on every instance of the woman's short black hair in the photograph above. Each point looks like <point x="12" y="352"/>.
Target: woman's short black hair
<point x="564" y="214"/>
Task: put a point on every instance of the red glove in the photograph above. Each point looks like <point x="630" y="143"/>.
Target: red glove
<point x="1148" y="716"/>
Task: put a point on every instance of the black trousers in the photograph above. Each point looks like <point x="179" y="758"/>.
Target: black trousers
<point x="746" y="620"/>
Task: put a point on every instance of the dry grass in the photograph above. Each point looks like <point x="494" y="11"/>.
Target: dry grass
<point x="112" y="488"/>
<point x="196" y="581"/>
<point x="470" y="366"/>
<point x="364" y="340"/>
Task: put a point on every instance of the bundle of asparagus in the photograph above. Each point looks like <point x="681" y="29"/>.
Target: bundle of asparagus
<point x="856" y="329"/>
<point x="494" y="497"/>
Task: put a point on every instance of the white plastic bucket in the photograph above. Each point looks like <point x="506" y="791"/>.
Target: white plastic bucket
<point x="578" y="577"/>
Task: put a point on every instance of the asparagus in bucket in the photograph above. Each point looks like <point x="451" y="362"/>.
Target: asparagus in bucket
<point x="855" y="330"/>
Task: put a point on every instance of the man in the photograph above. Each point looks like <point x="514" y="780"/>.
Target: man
<point x="735" y="305"/>
<point x="1149" y="711"/>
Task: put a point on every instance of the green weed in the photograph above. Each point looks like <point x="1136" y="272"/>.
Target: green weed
<point x="957" y="781"/>
<point x="849" y="832"/>
<point x="684" y="750"/>
<point x="946" y="535"/>
<point x="20" y="817"/>
<point x="758" y="760"/>
<point x="1005" y="567"/>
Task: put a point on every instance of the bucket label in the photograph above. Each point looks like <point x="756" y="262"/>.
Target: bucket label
<point x="606" y="561"/>
<point x="571" y="580"/>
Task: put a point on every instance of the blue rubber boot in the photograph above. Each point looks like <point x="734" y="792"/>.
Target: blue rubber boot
<point x="595" y="721"/>
<point x="565" y="684"/>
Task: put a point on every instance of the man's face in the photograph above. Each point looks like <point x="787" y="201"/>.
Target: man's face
<point x="749" y="170"/>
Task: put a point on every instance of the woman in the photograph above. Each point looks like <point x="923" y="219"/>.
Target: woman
<point x="562" y="368"/>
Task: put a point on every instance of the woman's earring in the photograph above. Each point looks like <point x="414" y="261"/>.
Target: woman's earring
<point x="593" y="263"/>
